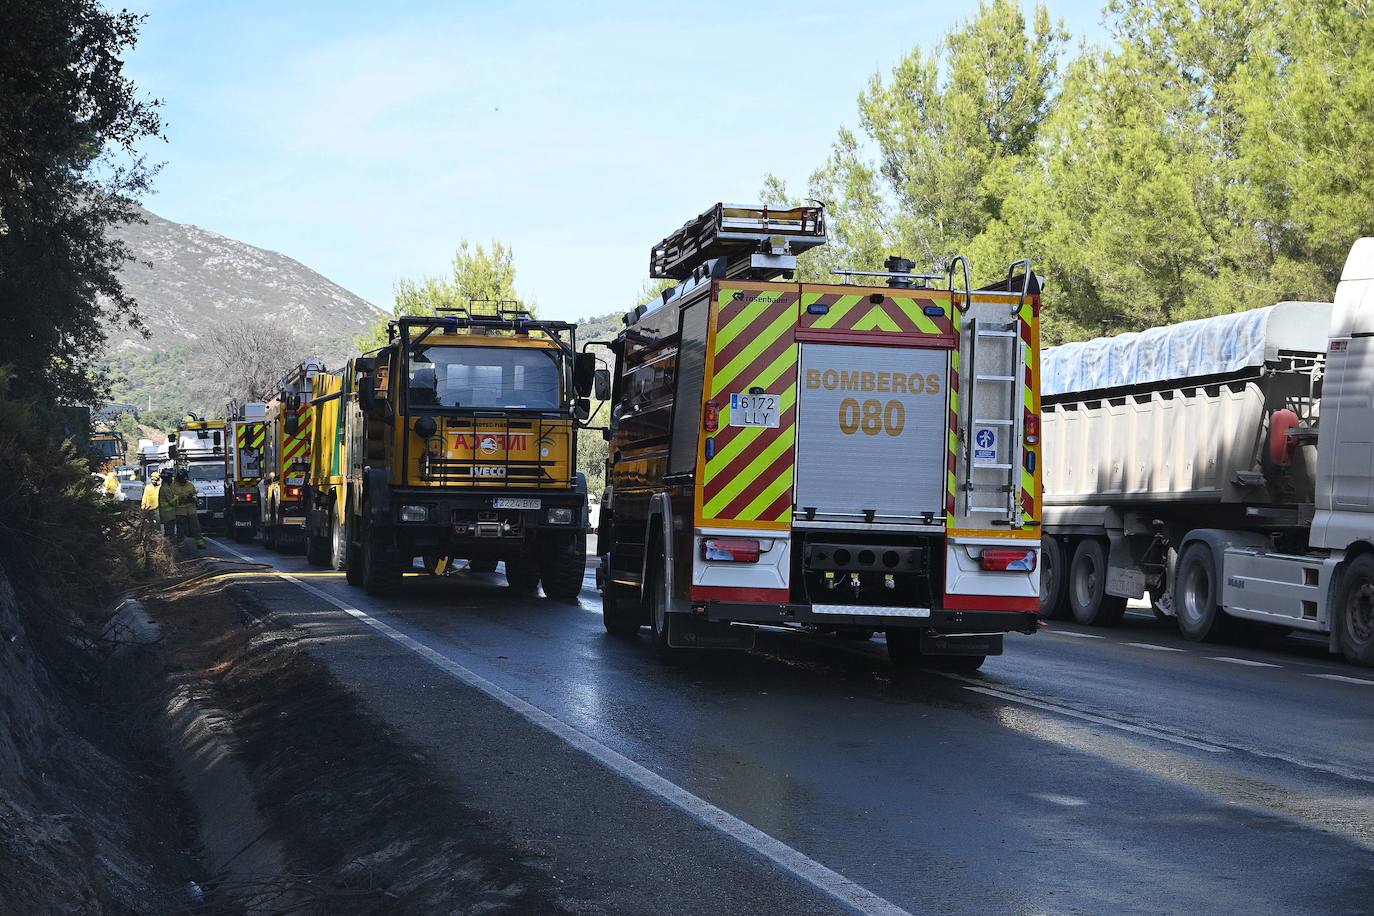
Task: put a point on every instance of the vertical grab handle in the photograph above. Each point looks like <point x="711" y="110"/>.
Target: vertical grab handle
<point x="968" y="287"/>
<point x="1024" y="263"/>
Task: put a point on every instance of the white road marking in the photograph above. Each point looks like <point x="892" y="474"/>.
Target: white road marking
<point x="1345" y="680"/>
<point x="228" y="549"/>
<point x="823" y="879"/>
<point x="1067" y="801"/>
<point x="1074" y="633"/>
<point x="1241" y="661"/>
<point x="1090" y="717"/>
<point x="1155" y="648"/>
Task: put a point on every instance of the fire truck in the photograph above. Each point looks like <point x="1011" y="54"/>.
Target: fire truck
<point x="849" y="457"/>
<point x="246" y="434"/>
<point x="456" y="440"/>
<point x="287" y="424"/>
<point x="198" y="447"/>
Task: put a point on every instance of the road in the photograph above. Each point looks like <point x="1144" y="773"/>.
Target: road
<point x="1084" y="771"/>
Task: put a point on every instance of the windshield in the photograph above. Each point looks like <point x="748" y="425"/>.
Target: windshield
<point x="205" y="471"/>
<point x="483" y="377"/>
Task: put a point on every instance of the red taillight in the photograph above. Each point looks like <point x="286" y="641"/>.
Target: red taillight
<point x="710" y="418"/>
<point x="293" y="492"/>
<point x="243" y="497"/>
<point x="1033" y="429"/>
<point x="1003" y="560"/>
<point x="730" y="550"/>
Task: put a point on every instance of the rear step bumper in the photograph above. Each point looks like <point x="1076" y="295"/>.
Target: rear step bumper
<point x="950" y="622"/>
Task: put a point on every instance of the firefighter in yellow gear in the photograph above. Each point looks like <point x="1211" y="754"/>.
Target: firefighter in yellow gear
<point x="166" y="506"/>
<point x="149" y="501"/>
<point x="183" y="496"/>
<point x="112" y="484"/>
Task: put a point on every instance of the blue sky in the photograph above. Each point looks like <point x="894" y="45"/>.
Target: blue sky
<point x="367" y="139"/>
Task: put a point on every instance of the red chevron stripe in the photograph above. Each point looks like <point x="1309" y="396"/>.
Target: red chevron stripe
<point x="750" y="333"/>
<point x="741" y="462"/>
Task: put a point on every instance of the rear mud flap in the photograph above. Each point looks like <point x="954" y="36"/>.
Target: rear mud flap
<point x="688" y="632"/>
<point x="973" y="644"/>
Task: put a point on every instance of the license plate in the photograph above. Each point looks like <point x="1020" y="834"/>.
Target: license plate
<point x="218" y="515"/>
<point x="755" y="410"/>
<point x="481" y="471"/>
<point x="514" y="502"/>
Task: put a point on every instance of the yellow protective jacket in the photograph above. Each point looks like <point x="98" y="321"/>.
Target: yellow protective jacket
<point x="181" y="495"/>
<point x="150" y="496"/>
<point x="111" y="483"/>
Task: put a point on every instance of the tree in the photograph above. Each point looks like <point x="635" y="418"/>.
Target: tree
<point x="243" y="359"/>
<point x="479" y="279"/>
<point x="70" y="124"/>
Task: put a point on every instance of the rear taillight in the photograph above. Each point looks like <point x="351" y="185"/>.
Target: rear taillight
<point x="1003" y="560"/>
<point x="243" y="497"/>
<point x="293" y="492"/>
<point x="730" y="550"/>
<point x="1032" y="429"/>
<point x="710" y="417"/>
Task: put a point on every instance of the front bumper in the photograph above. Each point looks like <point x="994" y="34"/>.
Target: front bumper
<point x="942" y="621"/>
<point x="481" y="515"/>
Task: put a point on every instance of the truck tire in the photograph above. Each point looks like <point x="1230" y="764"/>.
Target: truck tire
<point x="317" y="549"/>
<point x="522" y="574"/>
<point x="353" y="559"/>
<point x="1355" y="611"/>
<point x="563" y="565"/>
<point x="656" y="597"/>
<point x="381" y="567"/>
<point x="269" y="533"/>
<point x="1200" y="617"/>
<point x="338" y="542"/>
<point x="904" y="649"/>
<point x="482" y="566"/>
<point x="621" y="615"/>
<point x="1053" y="595"/>
<point x="1087" y="587"/>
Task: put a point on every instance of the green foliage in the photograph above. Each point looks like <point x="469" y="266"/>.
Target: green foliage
<point x="1214" y="158"/>
<point x="480" y="278"/>
<point x="70" y="122"/>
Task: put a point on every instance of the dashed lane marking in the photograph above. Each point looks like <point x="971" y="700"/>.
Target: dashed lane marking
<point x="1345" y="680"/>
<point x="1075" y="634"/>
<point x="857" y="898"/>
<point x="1155" y="648"/>
<point x="1249" y="662"/>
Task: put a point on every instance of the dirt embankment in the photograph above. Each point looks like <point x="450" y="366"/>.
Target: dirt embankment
<point x="360" y="819"/>
<point x="91" y="820"/>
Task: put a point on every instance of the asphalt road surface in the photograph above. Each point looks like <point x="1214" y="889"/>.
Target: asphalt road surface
<point x="1085" y="771"/>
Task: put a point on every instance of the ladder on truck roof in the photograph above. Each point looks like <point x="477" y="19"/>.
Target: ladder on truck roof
<point x="749" y="237"/>
<point x="1001" y="366"/>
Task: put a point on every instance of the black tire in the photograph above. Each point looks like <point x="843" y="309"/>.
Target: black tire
<point x="656" y="599"/>
<point x="381" y="567"/>
<point x="1087" y="587"/>
<point x="1054" y="603"/>
<point x="1162" y="598"/>
<point x="522" y="574"/>
<point x="1355" y="611"/>
<point x="353" y="561"/>
<point x="563" y="565"/>
<point x="338" y="542"/>
<point x="621" y="614"/>
<point x="269" y="534"/>
<point x="482" y="566"/>
<point x="904" y="649"/>
<point x="317" y="550"/>
<point x="1200" y="617"/>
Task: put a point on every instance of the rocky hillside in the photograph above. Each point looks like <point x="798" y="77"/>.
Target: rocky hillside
<point x="190" y="279"/>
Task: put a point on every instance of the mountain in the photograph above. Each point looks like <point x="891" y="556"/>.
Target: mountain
<point x="188" y="282"/>
<point x="188" y="279"/>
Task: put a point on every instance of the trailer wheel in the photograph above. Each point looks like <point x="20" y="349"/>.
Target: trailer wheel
<point x="1356" y="609"/>
<point x="1087" y="581"/>
<point x="1195" y="594"/>
<point x="1054" y="603"/>
<point x="482" y="566"/>
<point x="522" y="574"/>
<point x="563" y="565"/>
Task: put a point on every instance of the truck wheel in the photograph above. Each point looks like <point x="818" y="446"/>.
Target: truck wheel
<point x="269" y="536"/>
<point x="522" y="574"/>
<point x="381" y="568"/>
<point x="904" y="649"/>
<point x="317" y="549"/>
<point x="338" y="542"/>
<point x="353" y="558"/>
<point x="621" y="615"/>
<point x="482" y="566"/>
<point x="657" y="596"/>
<point x="563" y="565"/>
<point x="1355" y="610"/>
<point x="1053" y="595"/>
<point x="1195" y="594"/>
<point x="1088" y="598"/>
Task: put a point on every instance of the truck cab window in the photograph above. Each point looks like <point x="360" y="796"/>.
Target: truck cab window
<point x="484" y="377"/>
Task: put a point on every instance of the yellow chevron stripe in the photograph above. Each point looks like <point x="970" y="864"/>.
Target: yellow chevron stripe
<point x="837" y="311"/>
<point x="765" y="499"/>
<point x="919" y="318"/>
<point x="765" y="339"/>
<point x="775" y="450"/>
<point x="751" y="312"/>
<point x="731" y="451"/>
<point x="877" y="319"/>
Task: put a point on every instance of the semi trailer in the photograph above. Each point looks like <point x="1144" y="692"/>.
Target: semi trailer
<point x="1224" y="467"/>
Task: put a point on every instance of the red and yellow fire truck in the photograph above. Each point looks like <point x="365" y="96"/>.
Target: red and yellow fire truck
<point x="246" y="434"/>
<point x="288" y="427"/>
<point x="849" y="457"/>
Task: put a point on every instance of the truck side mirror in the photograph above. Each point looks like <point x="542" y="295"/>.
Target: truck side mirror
<point x="601" y="384"/>
<point x="292" y="424"/>
<point x="364" y="364"/>
<point x="172" y="452"/>
<point x="582" y="408"/>
<point x="367" y="392"/>
<point x="584" y="370"/>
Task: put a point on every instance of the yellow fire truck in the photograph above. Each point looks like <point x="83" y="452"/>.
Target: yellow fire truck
<point x="245" y="434"/>
<point x="457" y="440"/>
<point x="288" y="425"/>
<point x="848" y="457"/>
